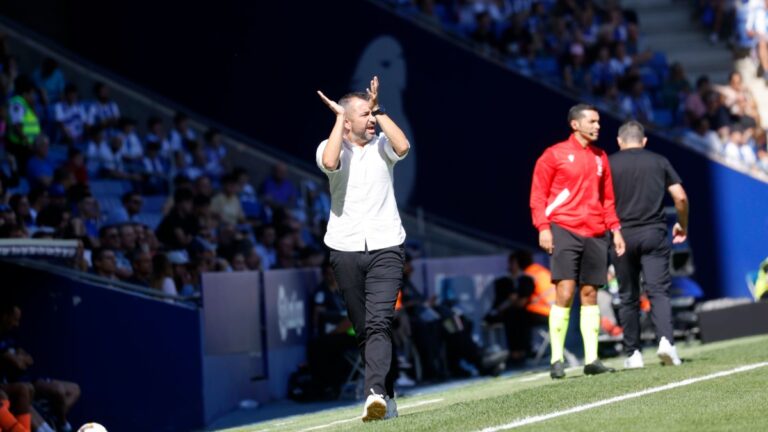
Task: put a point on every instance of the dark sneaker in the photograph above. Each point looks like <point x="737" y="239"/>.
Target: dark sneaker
<point x="596" y="368"/>
<point x="557" y="370"/>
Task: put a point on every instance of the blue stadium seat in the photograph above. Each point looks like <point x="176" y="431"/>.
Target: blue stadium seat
<point x="154" y="204"/>
<point x="107" y="188"/>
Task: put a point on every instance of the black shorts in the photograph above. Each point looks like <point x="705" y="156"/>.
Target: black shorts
<point x="583" y="259"/>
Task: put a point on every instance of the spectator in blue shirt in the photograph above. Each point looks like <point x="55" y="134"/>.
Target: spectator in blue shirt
<point x="49" y="80"/>
<point x="277" y="189"/>
<point x="40" y="167"/>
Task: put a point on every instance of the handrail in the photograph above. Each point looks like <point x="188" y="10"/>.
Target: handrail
<point x="103" y="282"/>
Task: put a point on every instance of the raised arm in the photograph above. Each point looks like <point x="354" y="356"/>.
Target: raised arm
<point x="680" y="230"/>
<point x="332" y="150"/>
<point x="393" y="132"/>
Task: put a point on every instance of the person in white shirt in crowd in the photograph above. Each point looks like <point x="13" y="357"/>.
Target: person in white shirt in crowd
<point x="757" y="28"/>
<point x="70" y="116"/>
<point x="103" y="111"/>
<point x="365" y="234"/>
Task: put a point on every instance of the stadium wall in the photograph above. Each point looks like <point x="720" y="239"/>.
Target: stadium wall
<point x="476" y="127"/>
<point x="136" y="359"/>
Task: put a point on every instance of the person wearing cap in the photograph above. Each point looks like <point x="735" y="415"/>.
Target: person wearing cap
<point x="641" y="178"/>
<point x="365" y="234"/>
<point x="572" y="207"/>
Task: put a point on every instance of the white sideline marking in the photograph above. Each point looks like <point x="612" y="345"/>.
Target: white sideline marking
<point x="413" y="405"/>
<point x="540" y="418"/>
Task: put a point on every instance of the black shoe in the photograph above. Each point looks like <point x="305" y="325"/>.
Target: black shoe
<point x="596" y="368"/>
<point x="557" y="370"/>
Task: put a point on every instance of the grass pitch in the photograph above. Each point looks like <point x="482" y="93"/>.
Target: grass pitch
<point x="734" y="401"/>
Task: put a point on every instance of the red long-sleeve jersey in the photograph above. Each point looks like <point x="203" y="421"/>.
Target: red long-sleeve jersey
<point x="572" y="187"/>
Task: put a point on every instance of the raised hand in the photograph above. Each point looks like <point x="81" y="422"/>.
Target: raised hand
<point x="373" y="93"/>
<point x="335" y="107"/>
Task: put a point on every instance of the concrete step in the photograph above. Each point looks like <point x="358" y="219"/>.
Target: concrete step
<point x="674" y="41"/>
<point x="667" y="22"/>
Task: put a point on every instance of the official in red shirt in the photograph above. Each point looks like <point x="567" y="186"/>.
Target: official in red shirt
<point x="572" y="205"/>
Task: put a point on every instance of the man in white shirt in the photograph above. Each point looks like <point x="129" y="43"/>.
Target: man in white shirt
<point x="364" y="232"/>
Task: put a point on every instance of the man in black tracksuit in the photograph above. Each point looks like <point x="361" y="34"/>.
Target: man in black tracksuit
<point x="640" y="179"/>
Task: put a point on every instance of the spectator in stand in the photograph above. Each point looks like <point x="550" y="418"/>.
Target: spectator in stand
<point x="484" y="35"/>
<point x="203" y="186"/>
<point x="575" y="72"/>
<point x="178" y="228"/>
<point x="49" y="80"/>
<point x="38" y="199"/>
<point x="181" y="166"/>
<point x="154" y="170"/>
<point x="718" y="115"/>
<point x="637" y="104"/>
<point x="71" y="117"/>
<point x="739" y="101"/>
<point x="132" y="203"/>
<point x="675" y="88"/>
<point x="180" y="133"/>
<point x="40" y="166"/>
<point x="215" y="152"/>
<point x="604" y="72"/>
<point x="103" y="111"/>
<point x="109" y="238"/>
<point x="703" y="137"/>
<point x="226" y="205"/>
<point x="516" y="40"/>
<point x="737" y="150"/>
<point x="20" y="205"/>
<point x="156" y="136"/>
<point x="96" y="141"/>
<point x="757" y="29"/>
<point x="128" y="241"/>
<point x="249" y="201"/>
<point x="103" y="261"/>
<point x="162" y="275"/>
<point x="24" y="123"/>
<point x="141" y="261"/>
<point x="132" y="151"/>
<point x="285" y="252"/>
<point x="277" y="190"/>
<point x="695" y="106"/>
<point x="90" y="215"/>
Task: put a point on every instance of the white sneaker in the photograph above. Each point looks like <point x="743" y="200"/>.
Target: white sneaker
<point x="668" y="353"/>
<point x="375" y="407"/>
<point x="391" y="408"/>
<point x="635" y="361"/>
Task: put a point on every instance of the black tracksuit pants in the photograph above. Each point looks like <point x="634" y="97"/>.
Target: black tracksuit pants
<point x="369" y="282"/>
<point x="647" y="252"/>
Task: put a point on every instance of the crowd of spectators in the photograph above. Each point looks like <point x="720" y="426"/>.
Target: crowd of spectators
<point x="152" y="205"/>
<point x="592" y="48"/>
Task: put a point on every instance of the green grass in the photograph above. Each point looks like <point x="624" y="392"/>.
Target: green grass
<point x="733" y="402"/>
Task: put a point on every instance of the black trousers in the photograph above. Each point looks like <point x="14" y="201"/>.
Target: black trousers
<point x="647" y="252"/>
<point x="369" y="282"/>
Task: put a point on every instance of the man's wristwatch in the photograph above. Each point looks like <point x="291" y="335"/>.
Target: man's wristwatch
<point x="379" y="111"/>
